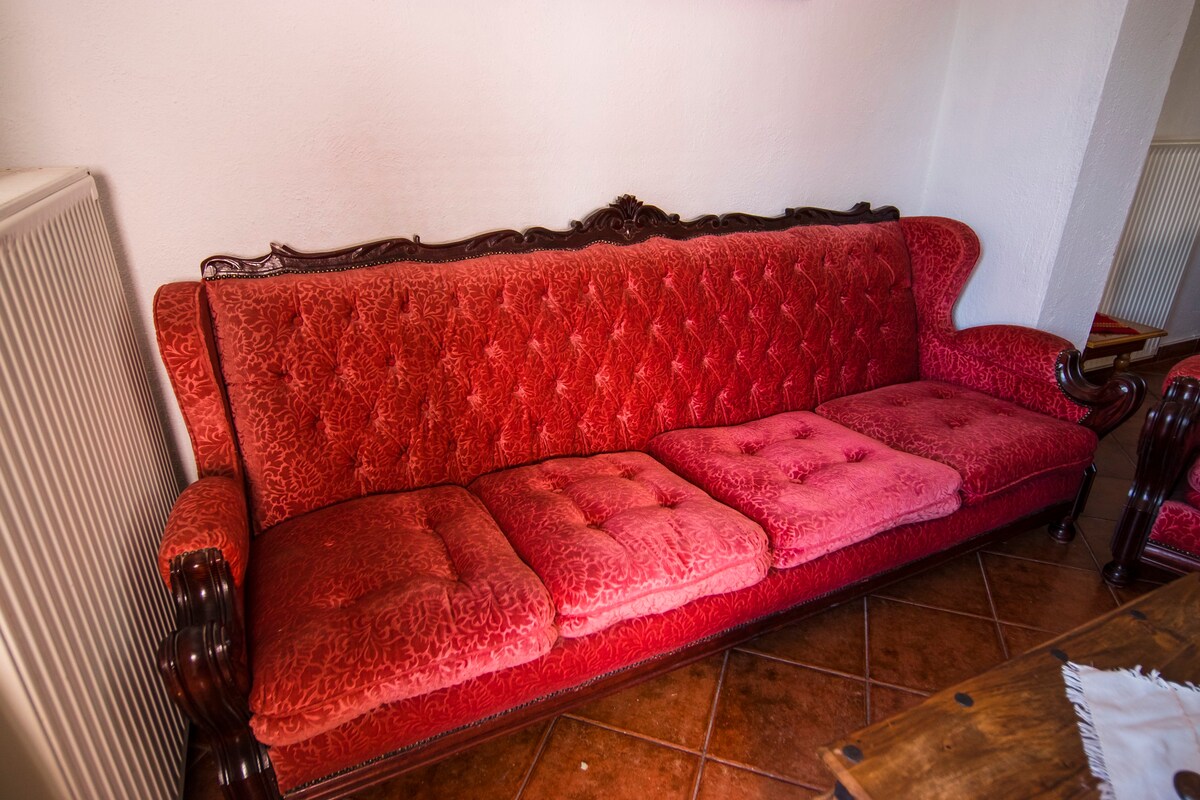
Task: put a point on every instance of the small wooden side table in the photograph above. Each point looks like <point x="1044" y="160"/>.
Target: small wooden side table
<point x="1011" y="732"/>
<point x="1121" y="345"/>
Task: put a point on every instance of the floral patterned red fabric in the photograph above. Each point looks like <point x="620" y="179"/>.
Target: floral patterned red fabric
<point x="993" y="444"/>
<point x="812" y="484"/>
<point x="407" y="375"/>
<point x="1178" y="526"/>
<point x="382" y="598"/>
<point x="573" y="661"/>
<point x="185" y="343"/>
<point x="1007" y="361"/>
<point x="209" y="513"/>
<point x="1187" y="368"/>
<point x="618" y="535"/>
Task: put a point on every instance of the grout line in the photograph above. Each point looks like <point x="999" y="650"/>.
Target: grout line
<point x="633" y="734"/>
<point x="712" y="722"/>
<point x="934" y="608"/>
<point x="922" y="693"/>
<point x="1041" y="561"/>
<point x="537" y="756"/>
<point x="987" y="587"/>
<point x="827" y="670"/>
<point x="867" y="653"/>
<point x="760" y="771"/>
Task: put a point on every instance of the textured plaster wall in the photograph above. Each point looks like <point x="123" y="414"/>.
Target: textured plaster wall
<point x="1047" y="113"/>
<point x="1180" y="118"/>
<point x="1180" y="121"/>
<point x="218" y="127"/>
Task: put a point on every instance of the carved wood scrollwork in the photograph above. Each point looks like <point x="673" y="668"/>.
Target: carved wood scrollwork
<point x="1168" y="442"/>
<point x="625" y="221"/>
<point x="1108" y="404"/>
<point x="203" y="664"/>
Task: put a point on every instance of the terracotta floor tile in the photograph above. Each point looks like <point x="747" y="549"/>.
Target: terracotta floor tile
<point x="1112" y="461"/>
<point x="1098" y="533"/>
<point x="834" y="639"/>
<point x="927" y="649"/>
<point x="723" y="782"/>
<point x="954" y="586"/>
<point x="1037" y="545"/>
<point x="1133" y="591"/>
<point x="888" y="702"/>
<point x="583" y="762"/>
<point x="494" y="769"/>
<point x="1127" y="435"/>
<point x="773" y="716"/>
<point x="1045" y="596"/>
<point x="673" y="707"/>
<point x="1022" y="640"/>
<point x="1107" y="499"/>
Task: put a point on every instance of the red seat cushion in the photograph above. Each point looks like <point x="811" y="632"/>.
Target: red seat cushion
<point x="812" y="484"/>
<point x="618" y="536"/>
<point x="992" y="443"/>
<point x="1178" y="526"/>
<point x="382" y="598"/>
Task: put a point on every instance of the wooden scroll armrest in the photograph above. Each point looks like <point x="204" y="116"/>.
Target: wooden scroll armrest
<point x="1109" y="404"/>
<point x="1168" y="441"/>
<point x="203" y="665"/>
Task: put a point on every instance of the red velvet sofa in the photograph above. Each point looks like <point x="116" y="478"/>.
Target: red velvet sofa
<point x="437" y="501"/>
<point x="1160" y="525"/>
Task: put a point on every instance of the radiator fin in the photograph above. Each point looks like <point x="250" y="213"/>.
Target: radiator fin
<point x="1158" y="238"/>
<point x="87" y="484"/>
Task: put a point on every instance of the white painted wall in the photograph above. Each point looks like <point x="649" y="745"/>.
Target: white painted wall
<point x="1180" y="121"/>
<point x="1180" y="118"/>
<point x="1128" y="110"/>
<point x="1047" y="113"/>
<point x="218" y="127"/>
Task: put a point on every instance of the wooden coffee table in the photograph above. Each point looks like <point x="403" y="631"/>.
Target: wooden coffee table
<point x="1011" y="732"/>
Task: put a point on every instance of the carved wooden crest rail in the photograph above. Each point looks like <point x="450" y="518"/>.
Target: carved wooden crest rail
<point x="625" y="221"/>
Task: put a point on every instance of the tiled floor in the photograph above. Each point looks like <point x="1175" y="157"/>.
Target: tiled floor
<point x="745" y="723"/>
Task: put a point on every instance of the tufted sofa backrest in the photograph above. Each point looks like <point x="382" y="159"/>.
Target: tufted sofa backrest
<point x="406" y="375"/>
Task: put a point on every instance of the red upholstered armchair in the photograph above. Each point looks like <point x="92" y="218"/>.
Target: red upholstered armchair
<point x="1161" y="522"/>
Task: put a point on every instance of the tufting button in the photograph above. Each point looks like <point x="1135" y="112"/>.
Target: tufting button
<point x="802" y="434"/>
<point x="297" y="321"/>
<point x="855" y="456"/>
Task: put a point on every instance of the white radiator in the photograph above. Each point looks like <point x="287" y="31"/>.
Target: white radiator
<point x="86" y="484"/>
<point x="1159" y="235"/>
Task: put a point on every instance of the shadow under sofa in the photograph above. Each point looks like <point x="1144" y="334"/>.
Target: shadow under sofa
<point x="437" y="501"/>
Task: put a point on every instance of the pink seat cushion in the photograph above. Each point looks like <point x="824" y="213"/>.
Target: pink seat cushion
<point x="812" y="484"/>
<point x="1178" y="526"/>
<point x="992" y="443"/>
<point x="618" y="536"/>
<point x="382" y="598"/>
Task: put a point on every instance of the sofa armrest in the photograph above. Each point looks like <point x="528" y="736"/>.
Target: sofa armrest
<point x="1168" y="440"/>
<point x="210" y="514"/>
<point x="1032" y="368"/>
<point x="1187" y="368"/>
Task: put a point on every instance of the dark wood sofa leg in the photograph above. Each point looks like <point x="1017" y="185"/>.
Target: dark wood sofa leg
<point x="1063" y="531"/>
<point x="203" y="666"/>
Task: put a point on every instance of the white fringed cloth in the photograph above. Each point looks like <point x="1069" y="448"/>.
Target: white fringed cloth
<point x="1138" y="730"/>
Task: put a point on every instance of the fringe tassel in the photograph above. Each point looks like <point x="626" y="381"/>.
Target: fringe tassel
<point x="1087" y="729"/>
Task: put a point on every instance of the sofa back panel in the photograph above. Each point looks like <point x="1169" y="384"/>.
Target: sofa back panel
<point x="406" y="375"/>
